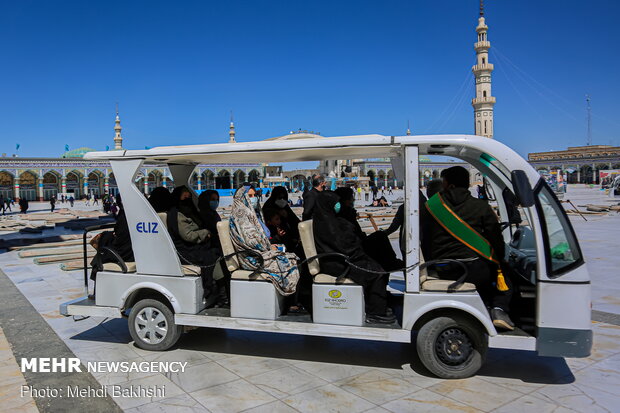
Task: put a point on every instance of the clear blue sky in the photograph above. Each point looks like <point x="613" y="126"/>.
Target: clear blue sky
<point x="337" y="67"/>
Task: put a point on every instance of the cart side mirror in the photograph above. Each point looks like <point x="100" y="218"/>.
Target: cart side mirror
<point x="522" y="187"/>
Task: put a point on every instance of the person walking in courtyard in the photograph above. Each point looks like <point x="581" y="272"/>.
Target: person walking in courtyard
<point x="95" y="199"/>
<point x="71" y="200"/>
<point x="23" y="205"/>
<point x="52" y="203"/>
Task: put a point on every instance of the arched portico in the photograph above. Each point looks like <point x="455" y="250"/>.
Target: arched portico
<point x="238" y="178"/>
<point x="223" y="180"/>
<point x="28" y="182"/>
<point x="208" y="179"/>
<point x="7" y="182"/>
<point x="95" y="183"/>
<point x="51" y="185"/>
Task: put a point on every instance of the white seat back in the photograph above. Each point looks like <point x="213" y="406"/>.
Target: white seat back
<point x="307" y="241"/>
<point x="223" y="230"/>
<point x="164" y="218"/>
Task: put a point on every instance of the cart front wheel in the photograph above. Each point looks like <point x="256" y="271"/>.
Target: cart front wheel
<point x="152" y="327"/>
<point x="452" y="347"/>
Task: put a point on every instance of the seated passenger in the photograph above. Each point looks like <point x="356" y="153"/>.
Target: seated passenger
<point x="336" y="234"/>
<point x="278" y="235"/>
<point x="433" y="186"/>
<point x="208" y="202"/>
<point x="117" y="240"/>
<point x="377" y="245"/>
<point x="160" y="199"/>
<point x="193" y="242"/>
<point x="249" y="232"/>
<point x="478" y="243"/>
<point x="278" y="201"/>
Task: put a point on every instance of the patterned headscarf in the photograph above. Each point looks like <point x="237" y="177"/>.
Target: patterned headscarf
<point x="247" y="233"/>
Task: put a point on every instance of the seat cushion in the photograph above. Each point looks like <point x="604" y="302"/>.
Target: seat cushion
<point x="329" y="279"/>
<point x="441" y="286"/>
<point x="244" y="275"/>
<point x="114" y="267"/>
<point x="190" y="269"/>
<point x="131" y="267"/>
<point x="164" y="218"/>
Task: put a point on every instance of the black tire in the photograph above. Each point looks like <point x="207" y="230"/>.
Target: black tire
<point x="452" y="347"/>
<point x="160" y="333"/>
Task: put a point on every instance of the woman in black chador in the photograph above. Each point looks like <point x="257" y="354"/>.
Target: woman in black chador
<point x="336" y="234"/>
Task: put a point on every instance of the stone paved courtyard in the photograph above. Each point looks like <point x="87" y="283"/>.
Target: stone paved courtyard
<point x="234" y="371"/>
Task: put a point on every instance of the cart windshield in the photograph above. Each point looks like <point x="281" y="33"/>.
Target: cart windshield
<point x="562" y="249"/>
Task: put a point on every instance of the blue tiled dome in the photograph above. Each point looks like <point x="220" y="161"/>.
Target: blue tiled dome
<point x="77" y="153"/>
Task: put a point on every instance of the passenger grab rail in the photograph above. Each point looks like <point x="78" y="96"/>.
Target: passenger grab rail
<point x="451" y="288"/>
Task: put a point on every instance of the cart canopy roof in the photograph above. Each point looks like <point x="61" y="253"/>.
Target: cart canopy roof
<point x="466" y="147"/>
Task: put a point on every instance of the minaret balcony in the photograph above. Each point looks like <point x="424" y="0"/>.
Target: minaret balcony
<point x="488" y="67"/>
<point x="484" y="45"/>
<point x="488" y="99"/>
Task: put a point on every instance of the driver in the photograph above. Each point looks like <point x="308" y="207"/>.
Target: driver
<point x="464" y="228"/>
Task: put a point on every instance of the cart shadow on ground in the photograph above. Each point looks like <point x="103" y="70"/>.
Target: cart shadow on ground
<point x="525" y="366"/>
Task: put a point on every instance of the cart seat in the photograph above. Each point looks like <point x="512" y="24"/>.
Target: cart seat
<point x="131" y="267"/>
<point x="429" y="282"/>
<point x="251" y="296"/>
<point x="332" y="303"/>
<point x="307" y="241"/>
<point x="164" y="218"/>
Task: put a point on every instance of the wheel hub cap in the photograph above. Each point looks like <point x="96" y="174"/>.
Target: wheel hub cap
<point x="151" y="325"/>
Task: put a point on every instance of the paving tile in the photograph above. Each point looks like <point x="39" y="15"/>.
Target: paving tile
<point x="232" y="397"/>
<point x="376" y="409"/>
<point x="156" y="381"/>
<point x="246" y="366"/>
<point x="476" y="392"/>
<point x="331" y="372"/>
<point x="407" y="373"/>
<point x="273" y="407"/>
<point x="426" y="401"/>
<point x="190" y="356"/>
<point x="201" y="376"/>
<point x="579" y="398"/>
<point x="328" y="398"/>
<point x="525" y="371"/>
<point x="532" y="404"/>
<point x="377" y="387"/>
<point x="286" y="381"/>
<point x="178" y="404"/>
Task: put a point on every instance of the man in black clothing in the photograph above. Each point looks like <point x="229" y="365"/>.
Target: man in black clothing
<point x="318" y="185"/>
<point x="479" y="215"/>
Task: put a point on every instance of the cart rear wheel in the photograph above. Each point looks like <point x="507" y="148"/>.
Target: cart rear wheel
<point x="452" y="347"/>
<point x="151" y="325"/>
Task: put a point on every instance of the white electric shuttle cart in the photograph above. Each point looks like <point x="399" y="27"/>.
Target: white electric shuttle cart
<point x="551" y="304"/>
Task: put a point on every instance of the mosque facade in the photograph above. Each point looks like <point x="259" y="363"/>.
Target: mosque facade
<point x="38" y="179"/>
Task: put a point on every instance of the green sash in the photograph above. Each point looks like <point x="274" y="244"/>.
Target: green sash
<point x="459" y="229"/>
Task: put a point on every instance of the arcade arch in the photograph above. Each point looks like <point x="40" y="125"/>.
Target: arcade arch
<point x="7" y="183"/>
<point x="28" y="186"/>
